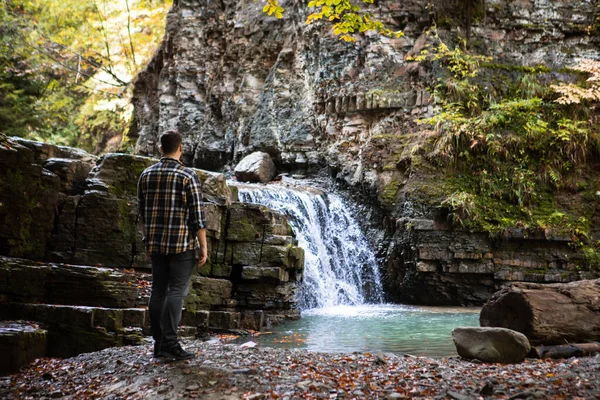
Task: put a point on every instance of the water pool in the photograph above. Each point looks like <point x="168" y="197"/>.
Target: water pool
<point x="415" y="330"/>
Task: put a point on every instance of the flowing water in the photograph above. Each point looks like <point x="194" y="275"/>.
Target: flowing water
<point x="341" y="293"/>
<point x="339" y="267"/>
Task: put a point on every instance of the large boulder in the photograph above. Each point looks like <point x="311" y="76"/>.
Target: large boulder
<point x="547" y="314"/>
<point x="493" y="345"/>
<point x="71" y="172"/>
<point x="256" y="167"/>
<point x="45" y="151"/>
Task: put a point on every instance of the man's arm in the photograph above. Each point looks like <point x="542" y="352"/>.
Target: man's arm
<point x="140" y="217"/>
<point x="197" y="218"/>
<point x="202" y="252"/>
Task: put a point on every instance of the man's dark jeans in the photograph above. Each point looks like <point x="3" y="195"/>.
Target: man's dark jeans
<point x="171" y="276"/>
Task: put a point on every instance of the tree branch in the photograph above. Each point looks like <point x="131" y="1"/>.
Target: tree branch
<point x="68" y="67"/>
<point x="129" y="32"/>
<point x="104" y="33"/>
<point x="90" y="61"/>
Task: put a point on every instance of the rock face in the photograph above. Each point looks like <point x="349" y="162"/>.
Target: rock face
<point x="29" y="195"/>
<point x="547" y="314"/>
<point x="24" y="281"/>
<point x="429" y="263"/>
<point x="493" y="345"/>
<point x="234" y="81"/>
<point x="20" y="343"/>
<point x="76" y="217"/>
<point x="255" y="167"/>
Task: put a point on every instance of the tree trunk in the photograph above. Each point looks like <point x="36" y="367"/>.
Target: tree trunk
<point x="547" y="314"/>
<point x="566" y="350"/>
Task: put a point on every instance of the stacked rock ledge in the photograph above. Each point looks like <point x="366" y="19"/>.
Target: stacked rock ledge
<point x="20" y="344"/>
<point x="74" y="216"/>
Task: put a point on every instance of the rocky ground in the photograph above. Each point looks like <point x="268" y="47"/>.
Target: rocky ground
<point x="231" y="371"/>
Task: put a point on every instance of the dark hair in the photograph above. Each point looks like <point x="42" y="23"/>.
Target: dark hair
<point x="170" y="141"/>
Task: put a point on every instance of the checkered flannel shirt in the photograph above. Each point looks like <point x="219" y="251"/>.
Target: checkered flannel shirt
<point x="170" y="205"/>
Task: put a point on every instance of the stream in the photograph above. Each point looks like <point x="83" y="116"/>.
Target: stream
<point x="341" y="296"/>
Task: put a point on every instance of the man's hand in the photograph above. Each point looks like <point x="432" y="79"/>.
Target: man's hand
<point x="201" y="249"/>
<point x="201" y="256"/>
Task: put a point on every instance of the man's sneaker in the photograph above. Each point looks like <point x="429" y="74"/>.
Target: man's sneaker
<point x="175" y="352"/>
<point x="157" y="350"/>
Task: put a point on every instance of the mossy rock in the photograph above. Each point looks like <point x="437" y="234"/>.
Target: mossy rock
<point x="106" y="232"/>
<point x="28" y="199"/>
<point x="388" y="194"/>
<point x="121" y="172"/>
<point x="250" y="222"/>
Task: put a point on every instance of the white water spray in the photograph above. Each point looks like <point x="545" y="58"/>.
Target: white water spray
<point x="339" y="268"/>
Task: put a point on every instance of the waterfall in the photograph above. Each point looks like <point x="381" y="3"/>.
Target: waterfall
<point x="339" y="268"/>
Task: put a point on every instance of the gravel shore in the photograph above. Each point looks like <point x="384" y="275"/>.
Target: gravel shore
<point x="231" y="371"/>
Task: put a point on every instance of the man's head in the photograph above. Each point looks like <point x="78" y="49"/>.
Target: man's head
<point x="170" y="144"/>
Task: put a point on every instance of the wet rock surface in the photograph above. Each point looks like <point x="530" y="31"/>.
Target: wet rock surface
<point x="233" y="372"/>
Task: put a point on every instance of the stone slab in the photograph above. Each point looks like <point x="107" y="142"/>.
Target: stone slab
<point x="28" y="281"/>
<point x="20" y="344"/>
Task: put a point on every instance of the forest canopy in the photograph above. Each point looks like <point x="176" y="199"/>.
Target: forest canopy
<point x="66" y="67"/>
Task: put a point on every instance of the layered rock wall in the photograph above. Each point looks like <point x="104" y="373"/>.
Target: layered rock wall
<point x="74" y="217"/>
<point x="429" y="263"/>
<point x="233" y="80"/>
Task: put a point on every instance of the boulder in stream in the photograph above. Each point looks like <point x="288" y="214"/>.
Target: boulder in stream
<point x="256" y="167"/>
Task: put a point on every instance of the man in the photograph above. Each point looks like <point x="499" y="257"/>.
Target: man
<point x="170" y="207"/>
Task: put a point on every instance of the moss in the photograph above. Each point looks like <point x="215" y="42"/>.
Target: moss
<point x="538" y="69"/>
<point x="127" y="221"/>
<point x="591" y="255"/>
<point x="389" y="193"/>
<point x="387" y="136"/>
<point x="243" y="230"/>
<point x="31" y="198"/>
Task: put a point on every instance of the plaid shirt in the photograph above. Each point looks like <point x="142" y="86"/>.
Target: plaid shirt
<point x="170" y="205"/>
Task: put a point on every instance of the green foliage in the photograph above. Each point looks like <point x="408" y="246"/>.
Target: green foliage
<point x="61" y="62"/>
<point x="591" y="255"/>
<point x="509" y="147"/>
<point x="103" y="122"/>
<point x="346" y="17"/>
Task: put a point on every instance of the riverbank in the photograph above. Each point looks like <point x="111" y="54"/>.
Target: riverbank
<point x="230" y="371"/>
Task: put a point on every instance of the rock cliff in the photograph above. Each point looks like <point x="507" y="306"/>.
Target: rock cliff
<point x="233" y="80"/>
<point x="71" y="256"/>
